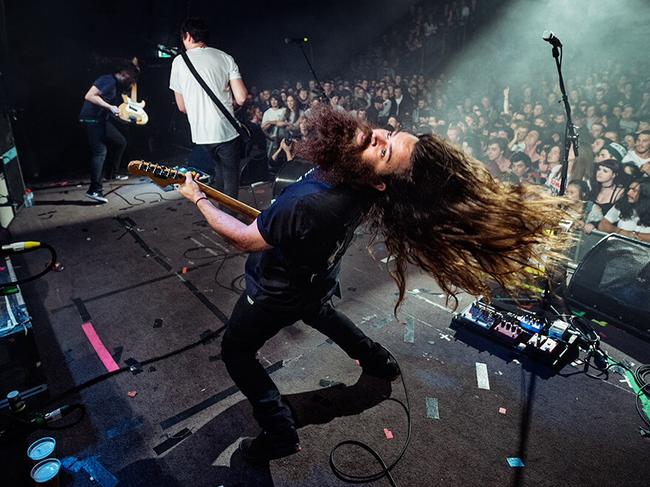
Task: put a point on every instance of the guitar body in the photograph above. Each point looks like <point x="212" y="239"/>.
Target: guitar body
<point x="132" y="111"/>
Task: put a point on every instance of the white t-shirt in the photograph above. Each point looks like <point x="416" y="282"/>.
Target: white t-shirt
<point x="632" y="156"/>
<point x="273" y="115"/>
<point x="630" y="224"/>
<point x="208" y="125"/>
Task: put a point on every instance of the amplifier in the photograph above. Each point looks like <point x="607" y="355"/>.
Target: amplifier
<point x="11" y="176"/>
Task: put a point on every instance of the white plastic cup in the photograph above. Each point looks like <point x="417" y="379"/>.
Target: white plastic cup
<point x="46" y="473"/>
<point x="41" y="449"/>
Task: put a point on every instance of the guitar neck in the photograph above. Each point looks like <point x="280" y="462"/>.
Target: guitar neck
<point x="165" y="175"/>
<point x="134" y="92"/>
<point x="229" y="201"/>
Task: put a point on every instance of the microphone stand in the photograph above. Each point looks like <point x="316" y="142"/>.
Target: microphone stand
<point x="313" y="73"/>
<point x="570" y="131"/>
<point x="570" y="140"/>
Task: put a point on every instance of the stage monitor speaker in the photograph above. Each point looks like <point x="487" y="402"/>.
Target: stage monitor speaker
<point x="613" y="282"/>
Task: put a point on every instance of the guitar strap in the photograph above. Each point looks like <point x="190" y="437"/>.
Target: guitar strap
<point x="241" y="130"/>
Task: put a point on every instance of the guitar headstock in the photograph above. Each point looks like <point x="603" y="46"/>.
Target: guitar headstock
<point x="161" y="175"/>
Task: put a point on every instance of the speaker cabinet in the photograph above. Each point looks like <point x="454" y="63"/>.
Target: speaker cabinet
<point x="613" y="282"/>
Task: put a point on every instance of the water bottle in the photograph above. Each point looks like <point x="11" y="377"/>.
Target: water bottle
<point x="28" y="198"/>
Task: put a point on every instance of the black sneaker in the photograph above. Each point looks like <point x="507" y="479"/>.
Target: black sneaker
<point x="97" y="196"/>
<point x="269" y="447"/>
<point x="382" y="366"/>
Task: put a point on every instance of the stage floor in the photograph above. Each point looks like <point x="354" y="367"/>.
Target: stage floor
<point x="150" y="277"/>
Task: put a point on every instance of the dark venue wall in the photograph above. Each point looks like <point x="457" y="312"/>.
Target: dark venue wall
<point x="56" y="50"/>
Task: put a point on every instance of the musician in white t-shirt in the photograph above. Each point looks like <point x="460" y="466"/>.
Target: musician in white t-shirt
<point x="209" y="127"/>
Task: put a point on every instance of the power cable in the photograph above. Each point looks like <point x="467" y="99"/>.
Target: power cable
<point x="600" y="360"/>
<point x="91" y="382"/>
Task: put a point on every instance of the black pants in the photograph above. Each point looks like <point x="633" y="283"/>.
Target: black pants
<point x="252" y="324"/>
<point x="107" y="146"/>
<point x="226" y="156"/>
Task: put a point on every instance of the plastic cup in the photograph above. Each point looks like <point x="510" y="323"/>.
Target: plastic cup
<point x="41" y="449"/>
<point x="46" y="473"/>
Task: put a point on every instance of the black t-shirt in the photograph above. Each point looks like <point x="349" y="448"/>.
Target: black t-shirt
<point x="107" y="85"/>
<point x="310" y="227"/>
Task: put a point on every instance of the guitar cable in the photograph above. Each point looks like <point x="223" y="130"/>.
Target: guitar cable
<point x="235" y="285"/>
<point x="24" y="247"/>
<point x="141" y="201"/>
<point x="385" y="469"/>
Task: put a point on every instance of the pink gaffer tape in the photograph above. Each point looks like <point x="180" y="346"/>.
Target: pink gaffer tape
<point x="99" y="347"/>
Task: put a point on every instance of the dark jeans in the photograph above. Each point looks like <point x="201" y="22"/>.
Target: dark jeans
<point x="251" y="325"/>
<point x="226" y="156"/>
<point x="104" y="139"/>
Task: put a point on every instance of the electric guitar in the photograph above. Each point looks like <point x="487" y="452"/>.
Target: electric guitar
<point x="132" y="111"/>
<point x="164" y="176"/>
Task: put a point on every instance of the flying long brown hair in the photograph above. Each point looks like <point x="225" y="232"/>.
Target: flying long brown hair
<point x="449" y="217"/>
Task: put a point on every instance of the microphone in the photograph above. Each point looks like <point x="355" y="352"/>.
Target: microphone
<point x="296" y="40"/>
<point x="549" y="37"/>
<point x="18" y="247"/>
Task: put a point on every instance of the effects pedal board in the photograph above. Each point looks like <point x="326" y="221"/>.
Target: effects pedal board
<point x="522" y="330"/>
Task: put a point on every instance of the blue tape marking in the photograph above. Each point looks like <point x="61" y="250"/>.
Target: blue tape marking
<point x="93" y="468"/>
<point x="379" y="324"/>
<point x="432" y="408"/>
<point x="124" y="427"/>
<point x="97" y="471"/>
<point x="71" y="464"/>
<point x="409" y="332"/>
<point x="515" y="462"/>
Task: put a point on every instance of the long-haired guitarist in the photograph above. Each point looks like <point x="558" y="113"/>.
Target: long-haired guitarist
<point x="435" y="208"/>
<point x="107" y="143"/>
